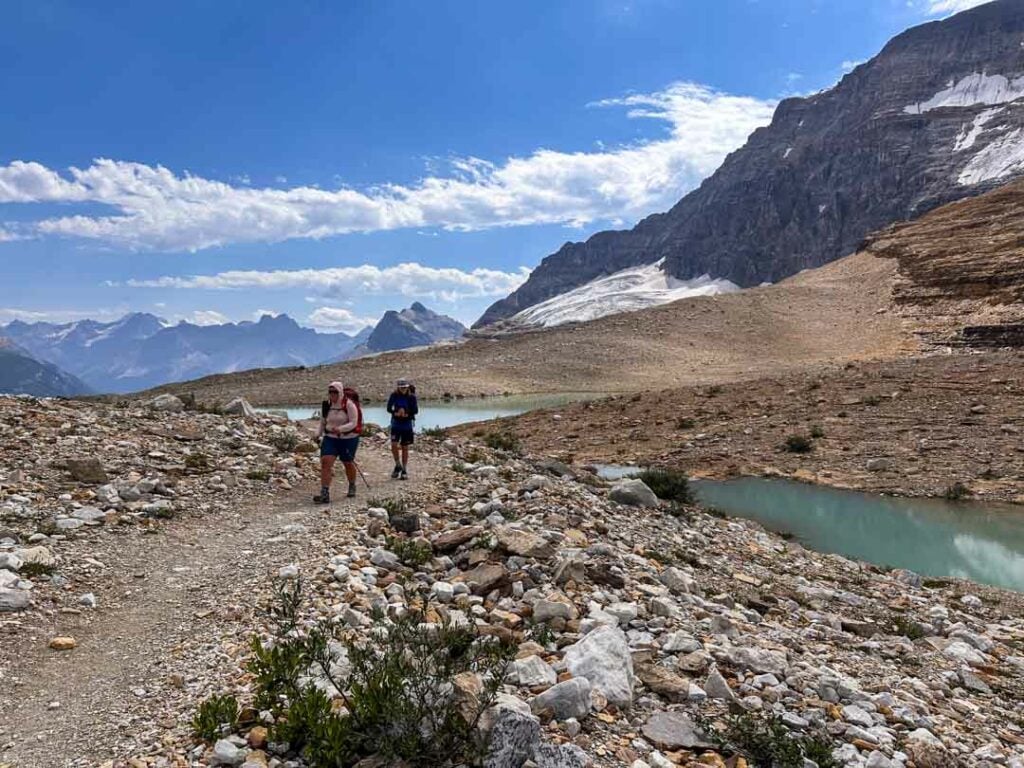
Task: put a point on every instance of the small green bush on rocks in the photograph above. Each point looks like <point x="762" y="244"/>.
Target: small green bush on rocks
<point x="215" y="716"/>
<point x="799" y="444"/>
<point x="668" y="484"/>
<point x="411" y="552"/>
<point x="502" y="441"/>
<point x="767" y="742"/>
<point x="398" y="686"/>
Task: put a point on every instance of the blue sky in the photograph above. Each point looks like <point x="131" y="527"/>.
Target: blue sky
<point x="215" y="160"/>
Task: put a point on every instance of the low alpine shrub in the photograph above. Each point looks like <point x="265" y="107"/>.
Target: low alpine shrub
<point x="216" y="715"/>
<point x="668" y="484"/>
<point x="799" y="444"/>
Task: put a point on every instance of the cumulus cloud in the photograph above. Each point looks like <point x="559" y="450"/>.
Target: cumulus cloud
<point x="338" y="319"/>
<point x="410" y="280"/>
<point x="948" y="7"/>
<point x="206" y="317"/>
<point x="154" y="207"/>
<point x="9" y="314"/>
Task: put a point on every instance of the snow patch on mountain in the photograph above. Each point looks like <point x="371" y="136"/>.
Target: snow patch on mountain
<point x="999" y="159"/>
<point x="625" y="291"/>
<point x="972" y="90"/>
<point x="970" y="134"/>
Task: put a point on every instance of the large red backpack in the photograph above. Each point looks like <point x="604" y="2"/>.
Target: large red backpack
<point x="347" y="394"/>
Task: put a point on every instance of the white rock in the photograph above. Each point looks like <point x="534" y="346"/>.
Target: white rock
<point x="532" y="671"/>
<point x="603" y="658"/>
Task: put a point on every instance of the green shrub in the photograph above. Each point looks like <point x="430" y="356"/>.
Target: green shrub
<point x="668" y="484"/>
<point x="766" y="742"/>
<point x="435" y="432"/>
<point x="817" y="431"/>
<point x="907" y="627"/>
<point x="393" y="505"/>
<point x="872" y="400"/>
<point x="502" y="441"/>
<point x="685" y="423"/>
<point x="259" y="475"/>
<point x="31" y="570"/>
<point x="397" y="695"/>
<point x="799" y="444"/>
<point x="956" y="492"/>
<point x="216" y="715"/>
<point x="411" y="552"/>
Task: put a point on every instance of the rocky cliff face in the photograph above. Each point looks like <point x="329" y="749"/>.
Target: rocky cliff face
<point x="960" y="274"/>
<point x="22" y="374"/>
<point x="938" y="115"/>
<point x="416" y="326"/>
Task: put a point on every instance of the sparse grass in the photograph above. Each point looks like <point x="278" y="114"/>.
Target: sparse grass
<point x="541" y="633"/>
<point x="685" y="423"/>
<point x="907" y="627"/>
<point x="438" y="433"/>
<point x="259" y="475"/>
<point x="798" y="444"/>
<point x="285" y="442"/>
<point x="766" y="742"/>
<point x="676" y="556"/>
<point x="668" y="484"/>
<point x="396" y="693"/>
<point x="956" y="492"/>
<point x="411" y="552"/>
<point x="872" y="400"/>
<point x="817" y="431"/>
<point x="716" y="512"/>
<point x="216" y="715"/>
<point x="393" y="505"/>
<point x="34" y="570"/>
<point x="459" y="467"/>
<point x="502" y="441"/>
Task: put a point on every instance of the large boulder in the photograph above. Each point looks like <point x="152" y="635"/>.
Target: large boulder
<point x="570" y="698"/>
<point x="240" y="407"/>
<point x="523" y="543"/>
<point x="633" y="493"/>
<point x="166" y="404"/>
<point x="675" y="730"/>
<point x="514" y="736"/>
<point x="13" y="600"/>
<point x="603" y="658"/>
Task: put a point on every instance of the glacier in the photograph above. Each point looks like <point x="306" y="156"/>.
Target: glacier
<point x="626" y="291"/>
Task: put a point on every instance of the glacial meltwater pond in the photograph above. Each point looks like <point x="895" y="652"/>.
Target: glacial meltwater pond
<point x="968" y="540"/>
<point x="449" y="413"/>
<point x="980" y="542"/>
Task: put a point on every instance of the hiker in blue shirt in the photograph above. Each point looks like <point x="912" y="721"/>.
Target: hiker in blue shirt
<point x="403" y="409"/>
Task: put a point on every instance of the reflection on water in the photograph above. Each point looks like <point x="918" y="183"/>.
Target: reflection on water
<point x="450" y="413"/>
<point x="980" y="542"/>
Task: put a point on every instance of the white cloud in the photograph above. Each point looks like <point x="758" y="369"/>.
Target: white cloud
<point x="259" y="313"/>
<point x="8" y="314"/>
<point x="157" y="208"/>
<point x="848" y="66"/>
<point x="948" y="7"/>
<point x="206" y="317"/>
<point x="410" y="280"/>
<point x="338" y="319"/>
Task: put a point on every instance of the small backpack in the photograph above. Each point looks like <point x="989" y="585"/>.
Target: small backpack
<point x="347" y="394"/>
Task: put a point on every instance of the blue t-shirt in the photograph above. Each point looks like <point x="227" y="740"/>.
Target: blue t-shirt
<point x="406" y="402"/>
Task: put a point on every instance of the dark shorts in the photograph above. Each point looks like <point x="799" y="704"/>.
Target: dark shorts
<point x="342" y="447"/>
<point x="402" y="435"/>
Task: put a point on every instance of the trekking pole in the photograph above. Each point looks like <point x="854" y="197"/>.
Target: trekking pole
<point x="359" y="469"/>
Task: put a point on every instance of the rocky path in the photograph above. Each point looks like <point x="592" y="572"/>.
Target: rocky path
<point x="168" y="606"/>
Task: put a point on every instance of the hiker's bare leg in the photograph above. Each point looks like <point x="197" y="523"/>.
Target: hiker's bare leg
<point x="327" y="470"/>
<point x="350" y="472"/>
<point x="405" y="455"/>
<point x="394" y="450"/>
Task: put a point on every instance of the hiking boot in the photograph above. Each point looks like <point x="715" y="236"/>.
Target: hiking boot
<point x="396" y="472"/>
<point x="404" y="475"/>
<point x="324" y="497"/>
<point x="351" y="490"/>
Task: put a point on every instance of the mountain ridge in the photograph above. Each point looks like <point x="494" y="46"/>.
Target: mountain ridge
<point x="909" y="130"/>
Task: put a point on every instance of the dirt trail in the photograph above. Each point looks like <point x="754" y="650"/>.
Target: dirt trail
<point x="169" y="602"/>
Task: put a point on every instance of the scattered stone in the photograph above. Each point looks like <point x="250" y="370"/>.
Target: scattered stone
<point x="675" y="730"/>
<point x="567" y="699"/>
<point x="603" y="658"/>
<point x="633" y="493"/>
<point x="63" y="643"/>
<point x="88" y="470"/>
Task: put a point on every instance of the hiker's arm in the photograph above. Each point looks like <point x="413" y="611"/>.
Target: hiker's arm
<point x="321" y="428"/>
<point x="414" y="406"/>
<point x="391" y="403"/>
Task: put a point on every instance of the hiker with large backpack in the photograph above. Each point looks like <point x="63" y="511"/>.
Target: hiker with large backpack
<point x="403" y="408"/>
<point x="341" y="424"/>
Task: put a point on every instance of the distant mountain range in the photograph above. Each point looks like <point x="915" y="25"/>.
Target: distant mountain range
<point x="416" y="326"/>
<point x="140" y="350"/>
<point x="22" y="374"/>
<point x="936" y="116"/>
